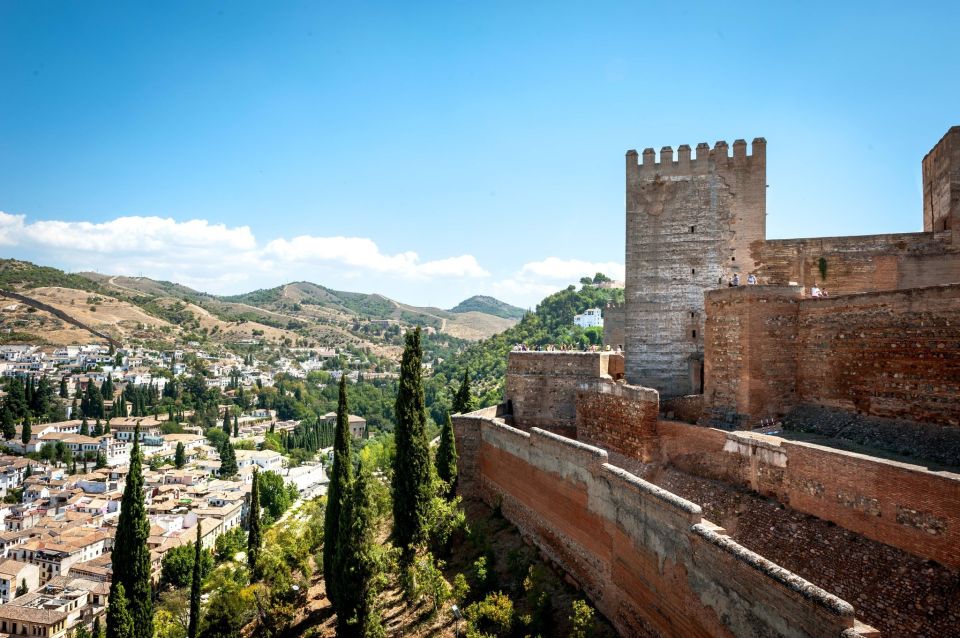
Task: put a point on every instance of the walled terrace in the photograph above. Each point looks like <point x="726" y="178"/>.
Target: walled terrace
<point x="674" y="529"/>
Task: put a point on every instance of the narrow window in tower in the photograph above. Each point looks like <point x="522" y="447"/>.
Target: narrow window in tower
<point x="694" y="334"/>
<point x="733" y="259"/>
<point x="693" y="271"/>
<point x="692" y="228"/>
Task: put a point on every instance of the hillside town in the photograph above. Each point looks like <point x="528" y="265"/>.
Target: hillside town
<point x="62" y="481"/>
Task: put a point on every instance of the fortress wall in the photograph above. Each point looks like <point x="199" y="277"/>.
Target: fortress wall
<point x="889" y="354"/>
<point x="749" y="352"/>
<point x="618" y="418"/>
<point x="645" y="557"/>
<point x="541" y="386"/>
<point x="614" y="318"/>
<point x="857" y="264"/>
<point x="906" y="506"/>
<point x="893" y="354"/>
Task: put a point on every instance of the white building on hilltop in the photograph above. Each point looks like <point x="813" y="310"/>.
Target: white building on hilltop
<point x="590" y="318"/>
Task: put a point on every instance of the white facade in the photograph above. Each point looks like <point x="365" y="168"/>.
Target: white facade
<point x="590" y="318"/>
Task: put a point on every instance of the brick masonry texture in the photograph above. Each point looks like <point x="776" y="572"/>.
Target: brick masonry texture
<point x="906" y="506"/>
<point x="644" y="556"/>
<point x="618" y="417"/>
<point x="690" y="224"/>
<point x="922" y="443"/>
<point x="541" y="386"/>
<point x="890" y="354"/>
<point x="899" y="594"/>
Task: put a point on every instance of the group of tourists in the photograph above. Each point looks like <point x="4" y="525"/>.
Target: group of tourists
<point x="522" y="347"/>
<point x="735" y="280"/>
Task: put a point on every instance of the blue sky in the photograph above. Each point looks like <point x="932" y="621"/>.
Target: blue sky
<point x="431" y="151"/>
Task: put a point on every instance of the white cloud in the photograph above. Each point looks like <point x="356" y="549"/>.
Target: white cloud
<point x="537" y="279"/>
<point x="215" y="257"/>
<point x="569" y="270"/>
<point x="361" y="252"/>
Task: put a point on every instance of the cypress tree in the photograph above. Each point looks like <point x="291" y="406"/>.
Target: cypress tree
<point x="101" y="461"/>
<point x="338" y="492"/>
<point x="447" y="456"/>
<point x="236" y="426"/>
<point x="131" y="556"/>
<point x="7" y="424"/>
<point x="84" y="427"/>
<point x="226" y="423"/>
<point x="411" y="466"/>
<point x="462" y="401"/>
<point x="254" y="534"/>
<point x="195" y="589"/>
<point x="27" y="433"/>
<point x="180" y="456"/>
<point x="355" y="561"/>
<point x="228" y="460"/>
<point x="63" y="387"/>
<point x="98" y="428"/>
<point x="120" y="623"/>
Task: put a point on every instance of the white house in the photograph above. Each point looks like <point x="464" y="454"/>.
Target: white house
<point x="590" y="318"/>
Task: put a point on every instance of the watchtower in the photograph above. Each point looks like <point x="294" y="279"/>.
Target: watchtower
<point x="690" y="223"/>
<point x="941" y="186"/>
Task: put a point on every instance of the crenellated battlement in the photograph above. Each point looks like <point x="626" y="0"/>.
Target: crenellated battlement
<point x="701" y="162"/>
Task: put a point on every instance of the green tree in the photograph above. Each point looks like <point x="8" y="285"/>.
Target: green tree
<point x="356" y="561"/>
<point x="84" y="427"/>
<point x="254" y="535"/>
<point x="131" y="556"/>
<point x="101" y="461"/>
<point x="27" y="433"/>
<point x="462" y="400"/>
<point x="63" y="388"/>
<point x="97" y="628"/>
<point x="582" y="622"/>
<point x="446" y="460"/>
<point x="120" y="622"/>
<point x="177" y="566"/>
<point x="337" y="494"/>
<point x="228" y="461"/>
<point x="7" y="424"/>
<point x="411" y="468"/>
<point x="195" y="583"/>
<point x="227" y="425"/>
<point x="275" y="496"/>
<point x="22" y="588"/>
<point x="236" y="426"/>
<point x="180" y="456"/>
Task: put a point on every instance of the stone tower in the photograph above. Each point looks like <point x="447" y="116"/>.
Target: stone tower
<point x="690" y="223"/>
<point x="941" y="186"/>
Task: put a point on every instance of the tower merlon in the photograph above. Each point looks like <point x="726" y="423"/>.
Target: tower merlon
<point x="686" y="163"/>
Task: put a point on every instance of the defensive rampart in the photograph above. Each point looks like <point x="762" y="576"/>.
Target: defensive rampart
<point x="541" y="386"/>
<point x="646" y="557"/>
<point x="889" y="354"/>
<point x="902" y="505"/>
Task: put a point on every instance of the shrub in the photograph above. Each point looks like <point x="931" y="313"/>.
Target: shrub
<point x="492" y="615"/>
<point x="582" y="620"/>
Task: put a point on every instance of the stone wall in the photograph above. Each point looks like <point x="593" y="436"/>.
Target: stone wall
<point x="857" y="264"/>
<point x="614" y="318"/>
<point x="906" y="506"/>
<point x="890" y="354"/>
<point x="541" y="387"/>
<point x="690" y="224"/>
<point x="647" y="558"/>
<point x="941" y="186"/>
<point x="618" y="418"/>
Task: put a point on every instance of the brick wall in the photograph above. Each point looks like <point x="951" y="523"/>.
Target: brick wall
<point x="866" y="263"/>
<point x="541" y="386"/>
<point x="645" y="557"/>
<point x="750" y="352"/>
<point x="906" y="506"/>
<point x="890" y="354"/>
<point x="618" y="418"/>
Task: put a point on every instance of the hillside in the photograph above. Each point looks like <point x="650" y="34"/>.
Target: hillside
<point x="163" y="313"/>
<point x="490" y="306"/>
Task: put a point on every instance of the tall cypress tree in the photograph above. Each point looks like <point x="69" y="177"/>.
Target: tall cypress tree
<point x="447" y="456"/>
<point x="227" y="426"/>
<point x="63" y="387"/>
<point x="120" y="623"/>
<point x="236" y="427"/>
<point x="337" y="494"/>
<point x="195" y="589"/>
<point x="84" y="427"/>
<point x="131" y="556"/>
<point x="180" y="456"/>
<point x="355" y="561"/>
<point x="462" y="401"/>
<point x="27" y="433"/>
<point x="7" y="424"/>
<point x="411" y="465"/>
<point x="228" y="461"/>
<point x="254" y="534"/>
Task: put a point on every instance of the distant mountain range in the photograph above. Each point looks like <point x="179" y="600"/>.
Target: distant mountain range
<point x="162" y="311"/>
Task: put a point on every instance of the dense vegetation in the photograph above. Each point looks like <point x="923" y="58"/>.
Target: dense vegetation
<point x="15" y="273"/>
<point x="489" y="305"/>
